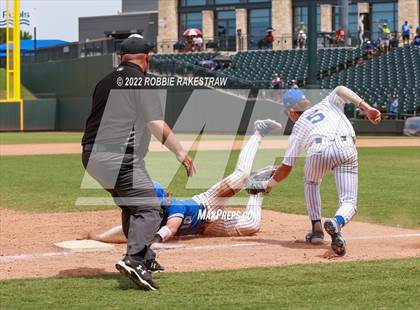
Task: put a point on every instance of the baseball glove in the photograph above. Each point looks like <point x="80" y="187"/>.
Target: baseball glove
<point x="258" y="180"/>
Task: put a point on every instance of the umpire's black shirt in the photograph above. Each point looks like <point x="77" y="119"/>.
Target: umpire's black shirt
<point x="121" y="110"/>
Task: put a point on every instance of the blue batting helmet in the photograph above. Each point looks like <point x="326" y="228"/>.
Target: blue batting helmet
<point x="293" y="97"/>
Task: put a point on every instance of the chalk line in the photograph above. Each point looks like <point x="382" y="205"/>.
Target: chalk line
<point x="184" y="247"/>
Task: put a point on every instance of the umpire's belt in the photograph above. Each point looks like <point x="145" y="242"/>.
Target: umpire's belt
<point x="108" y="148"/>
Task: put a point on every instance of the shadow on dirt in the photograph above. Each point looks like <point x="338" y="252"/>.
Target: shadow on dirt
<point x="292" y="244"/>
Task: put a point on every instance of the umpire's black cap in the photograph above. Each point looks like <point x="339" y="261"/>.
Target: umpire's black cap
<point x="135" y="44"/>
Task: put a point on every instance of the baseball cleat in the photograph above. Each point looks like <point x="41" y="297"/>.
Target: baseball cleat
<point x="316" y="236"/>
<point x="338" y="244"/>
<point x="137" y="272"/>
<point x="266" y="126"/>
<point x="153" y="266"/>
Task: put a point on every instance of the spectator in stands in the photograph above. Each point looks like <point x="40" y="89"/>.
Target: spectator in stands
<point x="267" y="41"/>
<point x="301" y="39"/>
<point x="300" y="32"/>
<point x="385" y="34"/>
<point x="197" y="43"/>
<point x="371" y="49"/>
<point x="277" y="81"/>
<point x="394" y="41"/>
<point x="292" y="84"/>
<point x="405" y="32"/>
<point x="340" y="37"/>
<point x="393" y="107"/>
<point x="207" y="63"/>
<point x="300" y="27"/>
<point x="416" y="41"/>
<point x="277" y="84"/>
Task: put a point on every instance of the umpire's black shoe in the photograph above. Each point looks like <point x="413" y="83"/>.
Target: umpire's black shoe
<point x="153" y="266"/>
<point x="137" y="272"/>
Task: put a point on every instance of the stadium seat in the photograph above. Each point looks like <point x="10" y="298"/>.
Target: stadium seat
<point x="375" y="80"/>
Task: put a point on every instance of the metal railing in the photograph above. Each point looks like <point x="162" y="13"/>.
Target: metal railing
<point x="253" y="42"/>
<point x="225" y="43"/>
<point x="183" y="46"/>
<point x="257" y="42"/>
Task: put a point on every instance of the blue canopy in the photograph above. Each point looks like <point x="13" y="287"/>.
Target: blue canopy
<point x="29" y="46"/>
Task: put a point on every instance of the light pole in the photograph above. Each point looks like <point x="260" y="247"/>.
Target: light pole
<point x="312" y="81"/>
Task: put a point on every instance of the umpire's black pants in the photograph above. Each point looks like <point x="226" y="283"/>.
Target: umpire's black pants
<point x="126" y="178"/>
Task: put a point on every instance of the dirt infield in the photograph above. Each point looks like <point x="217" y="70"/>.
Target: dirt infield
<point x="75" y="148"/>
<point x="27" y="249"/>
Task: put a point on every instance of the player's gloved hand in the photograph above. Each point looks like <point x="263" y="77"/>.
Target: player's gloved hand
<point x="187" y="162"/>
<point x="255" y="186"/>
<point x="373" y="115"/>
<point x="257" y="182"/>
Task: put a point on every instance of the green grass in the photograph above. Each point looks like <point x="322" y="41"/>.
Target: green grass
<point x="75" y="137"/>
<point x="43" y="183"/>
<point x="356" y="285"/>
<point x="389" y="183"/>
<point x="39" y="137"/>
<point x="26" y="94"/>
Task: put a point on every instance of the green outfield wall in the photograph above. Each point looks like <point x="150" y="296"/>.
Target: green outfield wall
<point x="39" y="114"/>
<point x="9" y="116"/>
<point x="71" y="83"/>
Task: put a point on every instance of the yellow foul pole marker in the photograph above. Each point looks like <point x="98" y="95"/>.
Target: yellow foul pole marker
<point x="13" y="90"/>
<point x="16" y="60"/>
<point x="8" y="92"/>
<point x="16" y="51"/>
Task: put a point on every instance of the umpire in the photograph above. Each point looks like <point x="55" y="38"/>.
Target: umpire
<point x="115" y="142"/>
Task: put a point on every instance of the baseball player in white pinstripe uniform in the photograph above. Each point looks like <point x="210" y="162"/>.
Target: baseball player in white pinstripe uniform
<point x="327" y="135"/>
<point x="204" y="213"/>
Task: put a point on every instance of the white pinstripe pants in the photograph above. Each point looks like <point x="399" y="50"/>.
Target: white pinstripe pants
<point x="219" y="194"/>
<point x="244" y="224"/>
<point x="341" y="157"/>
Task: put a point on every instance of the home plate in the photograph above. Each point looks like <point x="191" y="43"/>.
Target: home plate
<point x="83" y="246"/>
